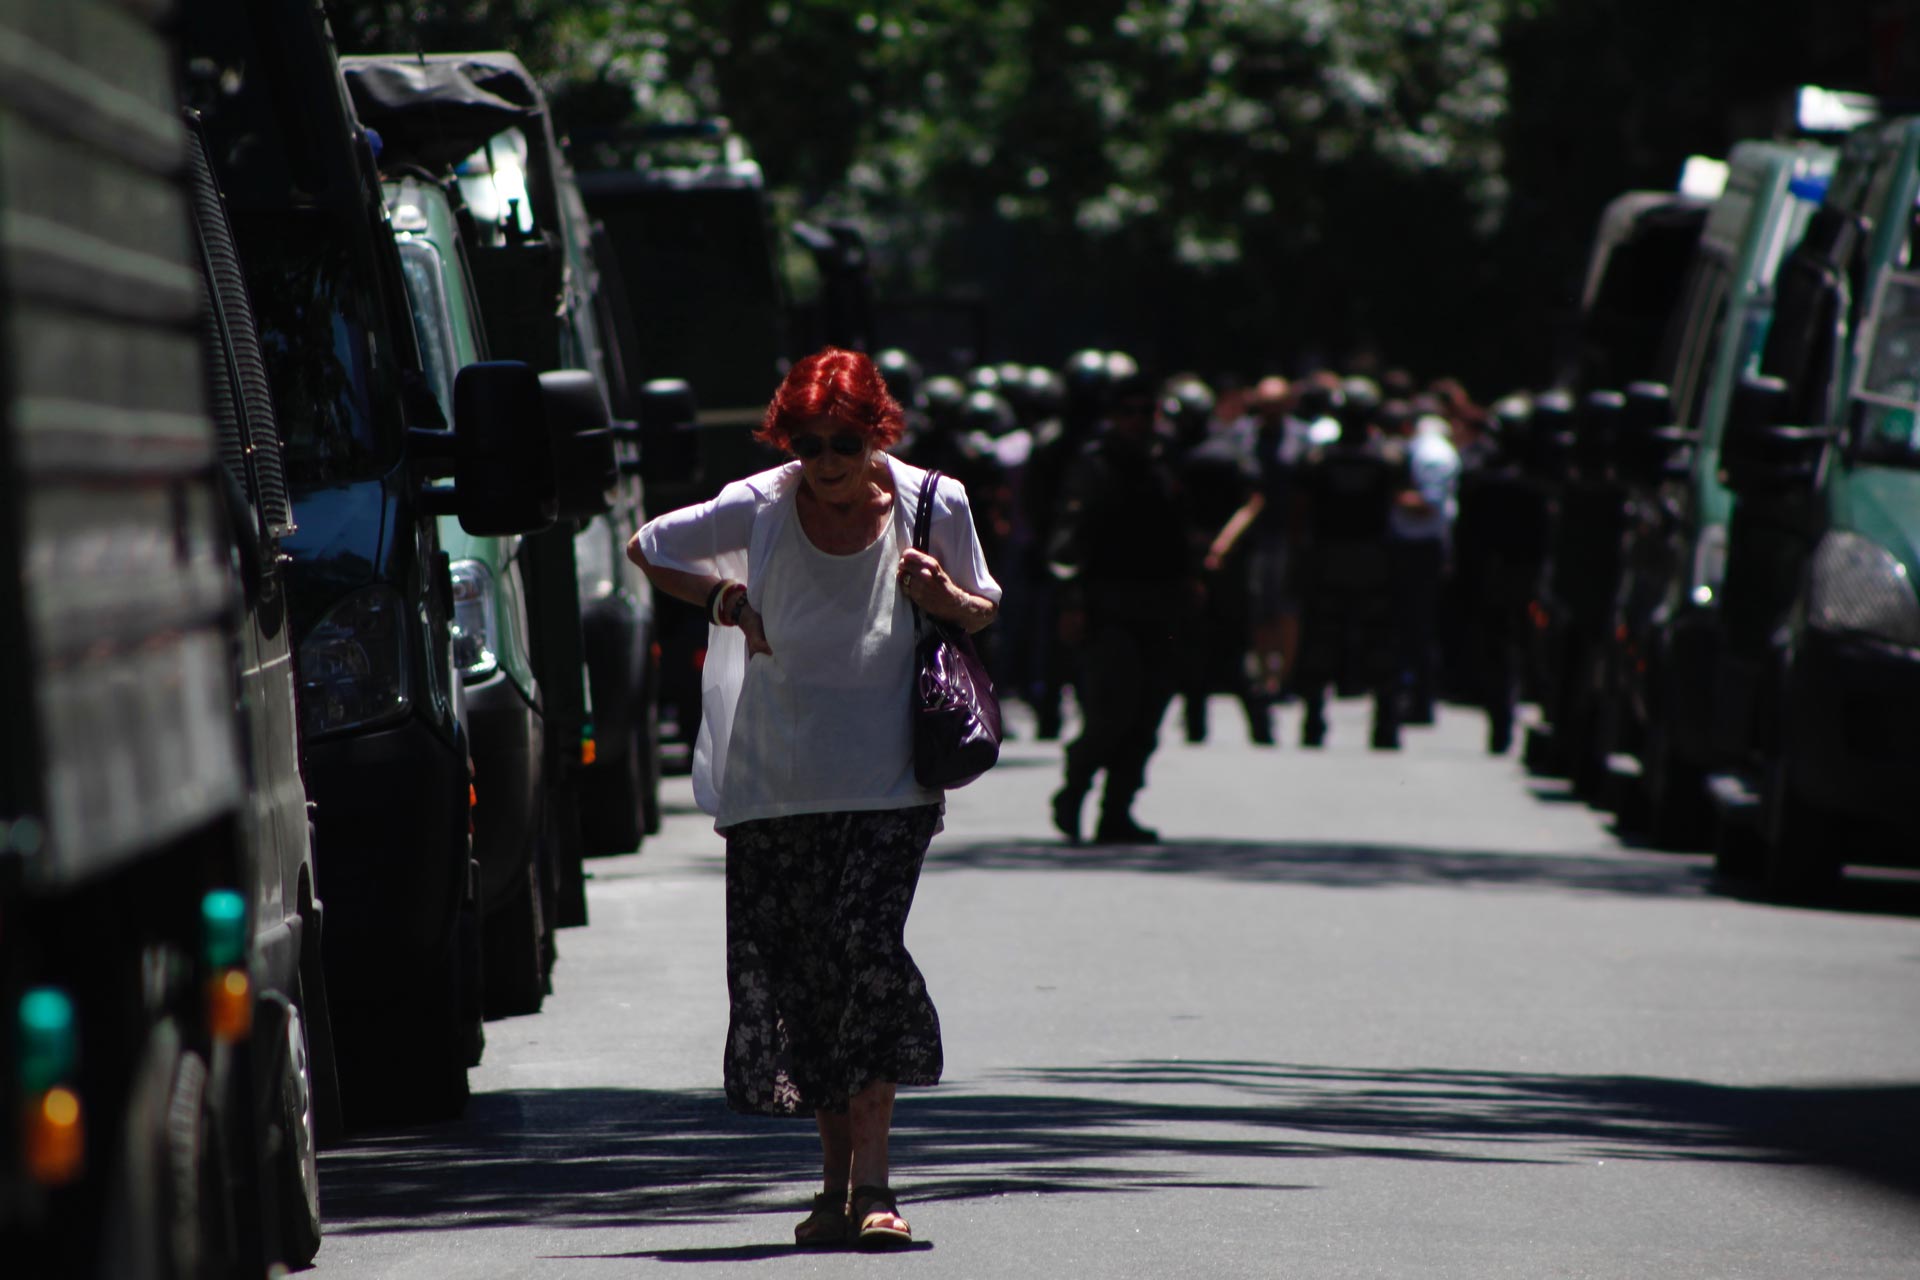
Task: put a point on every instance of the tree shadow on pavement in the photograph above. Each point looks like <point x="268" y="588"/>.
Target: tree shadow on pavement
<point x="1333" y="865"/>
<point x="638" y="1158"/>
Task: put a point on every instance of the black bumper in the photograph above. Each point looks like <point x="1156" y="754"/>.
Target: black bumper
<point x="1854" y="717"/>
<point x="508" y="772"/>
<point x="391" y="817"/>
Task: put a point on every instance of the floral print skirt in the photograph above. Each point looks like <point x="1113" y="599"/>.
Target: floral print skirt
<point x="824" y="998"/>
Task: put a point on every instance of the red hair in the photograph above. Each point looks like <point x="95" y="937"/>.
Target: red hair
<point x="838" y="386"/>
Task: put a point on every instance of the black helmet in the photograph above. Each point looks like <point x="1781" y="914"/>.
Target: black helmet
<point x="987" y="411"/>
<point x="1046" y="392"/>
<point x="983" y="378"/>
<point x="944" y="396"/>
<point x="1086" y="386"/>
<point x="1086" y="369"/>
<point x="1188" y="404"/>
<point x="902" y="374"/>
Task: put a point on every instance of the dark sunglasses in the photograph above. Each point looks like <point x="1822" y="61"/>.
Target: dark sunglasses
<point x="848" y="444"/>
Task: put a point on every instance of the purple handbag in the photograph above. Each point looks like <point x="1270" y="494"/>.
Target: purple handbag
<point x="956" y="715"/>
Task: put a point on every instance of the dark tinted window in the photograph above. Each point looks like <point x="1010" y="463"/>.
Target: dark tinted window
<point x="332" y="389"/>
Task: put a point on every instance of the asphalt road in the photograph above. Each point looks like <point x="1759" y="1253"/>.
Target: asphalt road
<point x="1371" y="1015"/>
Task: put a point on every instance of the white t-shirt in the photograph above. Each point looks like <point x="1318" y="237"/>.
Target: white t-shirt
<point x="821" y="725"/>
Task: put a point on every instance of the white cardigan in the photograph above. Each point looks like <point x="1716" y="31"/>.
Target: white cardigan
<point x="730" y="535"/>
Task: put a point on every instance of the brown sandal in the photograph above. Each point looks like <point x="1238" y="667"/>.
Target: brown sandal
<point x="876" y="1220"/>
<point x="827" y="1226"/>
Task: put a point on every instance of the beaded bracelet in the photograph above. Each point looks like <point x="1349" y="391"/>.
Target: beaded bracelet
<point x="717" y="611"/>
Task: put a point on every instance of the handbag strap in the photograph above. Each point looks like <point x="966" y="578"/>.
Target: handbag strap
<point x="922" y="532"/>
<point x="923" y="514"/>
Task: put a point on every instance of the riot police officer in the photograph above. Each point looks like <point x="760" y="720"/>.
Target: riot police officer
<point x="1224" y="499"/>
<point x="1345" y="494"/>
<point x="1120" y="552"/>
<point x="1500" y="553"/>
<point x="1058" y="440"/>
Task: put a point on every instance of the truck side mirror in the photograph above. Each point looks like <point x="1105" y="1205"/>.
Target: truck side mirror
<point x="581" y="430"/>
<point x="1651" y="445"/>
<point x="1759" y="401"/>
<point x="503" y="466"/>
<point x="669" y="432"/>
<point x="1763" y="457"/>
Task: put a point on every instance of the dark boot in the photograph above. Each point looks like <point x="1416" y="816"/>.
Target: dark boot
<point x="1122" y="829"/>
<point x="1313" y="729"/>
<point x="1066" y="812"/>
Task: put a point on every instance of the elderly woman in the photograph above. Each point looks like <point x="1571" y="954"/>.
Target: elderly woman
<point x="805" y="759"/>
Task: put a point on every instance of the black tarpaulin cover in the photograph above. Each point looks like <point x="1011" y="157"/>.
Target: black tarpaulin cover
<point x="439" y="109"/>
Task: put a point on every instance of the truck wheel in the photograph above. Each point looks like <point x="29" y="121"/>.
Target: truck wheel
<point x="296" y="1165"/>
<point x="166" y="1187"/>
<point x="1674" y="809"/>
<point x="1800" y="861"/>
<point x="317" y="1015"/>
<point x="610" y="804"/>
<point x="514" y="946"/>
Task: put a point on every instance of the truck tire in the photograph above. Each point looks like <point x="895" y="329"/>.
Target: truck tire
<point x="316" y="1012"/>
<point x="513" y="951"/>
<point x="1798" y="862"/>
<point x="164" y="1192"/>
<point x="1673" y="809"/>
<point x="296" y="1166"/>
<point x="611" y="801"/>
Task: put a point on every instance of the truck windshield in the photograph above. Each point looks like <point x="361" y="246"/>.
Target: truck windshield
<point x="321" y="337"/>
<point x="1887" y="399"/>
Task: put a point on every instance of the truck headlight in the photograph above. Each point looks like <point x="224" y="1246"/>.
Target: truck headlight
<point x="352" y="663"/>
<point x="1859" y="586"/>
<point x="476" y="619"/>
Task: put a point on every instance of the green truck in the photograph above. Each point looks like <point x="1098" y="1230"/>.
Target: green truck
<point x="1816" y="697"/>
<point x="1666" y="620"/>
<point x="542" y="297"/>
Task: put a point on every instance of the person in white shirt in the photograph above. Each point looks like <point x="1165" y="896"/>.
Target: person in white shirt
<point x="1422" y="546"/>
<point x="805" y="759"/>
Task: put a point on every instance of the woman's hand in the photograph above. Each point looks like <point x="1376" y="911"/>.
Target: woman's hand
<point x="926" y="584"/>
<point x="754" y="628"/>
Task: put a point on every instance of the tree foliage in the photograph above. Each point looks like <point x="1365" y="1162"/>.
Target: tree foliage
<point x="1224" y="181"/>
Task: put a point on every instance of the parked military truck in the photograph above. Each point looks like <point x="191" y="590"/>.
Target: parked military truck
<point x="164" y="1052"/>
<point x="540" y="295"/>
<point x="514" y="818"/>
<point x="1817" y="695"/>
<point x="1636" y="269"/>
<point x="1665" y="631"/>
<point x="691" y="233"/>
<point x="367" y="451"/>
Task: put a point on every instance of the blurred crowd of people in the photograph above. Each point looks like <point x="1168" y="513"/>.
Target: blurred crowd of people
<point x="1273" y="540"/>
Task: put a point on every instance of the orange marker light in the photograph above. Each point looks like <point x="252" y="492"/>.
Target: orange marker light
<point x="56" y="1140"/>
<point x="588" y="751"/>
<point x="230" y="1006"/>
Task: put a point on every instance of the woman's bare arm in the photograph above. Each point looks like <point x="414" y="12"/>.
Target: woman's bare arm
<point x="697" y="589"/>
<point x="691" y="587"/>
